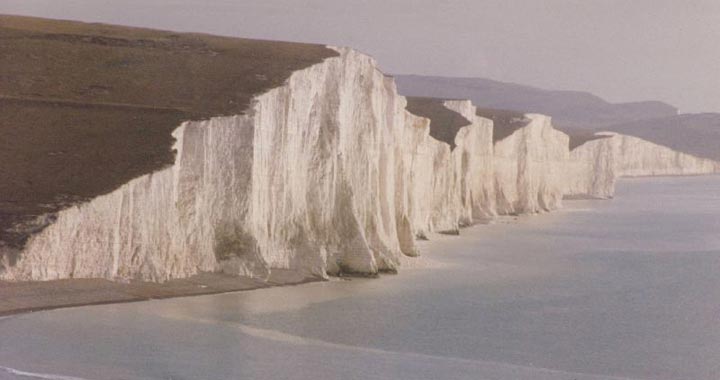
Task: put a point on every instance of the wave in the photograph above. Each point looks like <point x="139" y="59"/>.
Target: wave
<point x="491" y="369"/>
<point x="37" y="375"/>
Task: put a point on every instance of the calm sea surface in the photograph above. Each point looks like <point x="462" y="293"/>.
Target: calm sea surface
<point x="628" y="288"/>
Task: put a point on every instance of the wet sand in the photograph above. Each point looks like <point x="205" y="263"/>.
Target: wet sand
<point x="24" y="297"/>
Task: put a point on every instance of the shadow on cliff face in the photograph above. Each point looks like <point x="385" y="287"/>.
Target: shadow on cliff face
<point x="84" y="108"/>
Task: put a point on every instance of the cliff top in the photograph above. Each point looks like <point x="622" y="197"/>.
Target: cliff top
<point x="505" y="122"/>
<point x="580" y="137"/>
<point x="444" y="123"/>
<point x="84" y="108"/>
<point x="567" y="108"/>
<point x="696" y="134"/>
<point x="580" y="113"/>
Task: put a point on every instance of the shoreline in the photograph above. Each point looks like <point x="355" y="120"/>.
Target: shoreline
<point x="17" y="298"/>
<point x="32" y="296"/>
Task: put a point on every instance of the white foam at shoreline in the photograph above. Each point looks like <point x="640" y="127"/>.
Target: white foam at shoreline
<point x="483" y="369"/>
<point x="37" y="375"/>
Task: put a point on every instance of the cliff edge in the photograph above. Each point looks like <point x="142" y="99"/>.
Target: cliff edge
<point x="283" y="158"/>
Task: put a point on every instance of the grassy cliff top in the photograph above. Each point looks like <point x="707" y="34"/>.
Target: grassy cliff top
<point x="84" y="108"/>
<point x="444" y="123"/>
<point x="505" y="122"/>
<point x="580" y="137"/>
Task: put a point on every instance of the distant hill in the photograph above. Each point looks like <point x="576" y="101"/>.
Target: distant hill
<point x="580" y="113"/>
<point x="569" y="109"/>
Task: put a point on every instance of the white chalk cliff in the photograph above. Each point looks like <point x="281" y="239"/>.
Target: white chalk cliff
<point x="324" y="175"/>
<point x="474" y="157"/>
<point x="451" y="188"/>
<point x="529" y="175"/>
<point x="592" y="169"/>
<point x="595" y="166"/>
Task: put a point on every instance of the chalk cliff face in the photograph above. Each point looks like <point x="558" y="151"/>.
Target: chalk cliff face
<point x="327" y="174"/>
<point x="434" y="190"/>
<point x="638" y="157"/>
<point x="306" y="181"/>
<point x="454" y="186"/>
<point x="473" y="157"/>
<point x="595" y="166"/>
<point x="529" y="176"/>
<point x="592" y="169"/>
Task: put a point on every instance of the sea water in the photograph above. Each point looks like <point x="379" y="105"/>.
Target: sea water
<point x="627" y="288"/>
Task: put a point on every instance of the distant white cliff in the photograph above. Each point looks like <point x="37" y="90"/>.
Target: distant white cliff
<point x="474" y="156"/>
<point x="327" y="174"/>
<point x="592" y="170"/>
<point x="595" y="166"/>
<point x="529" y="175"/>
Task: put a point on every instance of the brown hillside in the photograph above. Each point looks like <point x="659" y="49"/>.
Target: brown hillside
<point x="85" y="108"/>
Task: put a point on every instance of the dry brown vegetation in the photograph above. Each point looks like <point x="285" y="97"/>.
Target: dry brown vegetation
<point x="85" y="108"/>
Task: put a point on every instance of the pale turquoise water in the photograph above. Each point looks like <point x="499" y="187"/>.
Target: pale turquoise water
<point x="627" y="288"/>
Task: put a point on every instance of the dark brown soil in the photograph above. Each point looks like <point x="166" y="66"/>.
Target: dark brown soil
<point x="444" y="123"/>
<point x="84" y="108"/>
<point x="505" y="122"/>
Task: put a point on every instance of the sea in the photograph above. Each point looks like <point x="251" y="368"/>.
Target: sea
<point x="627" y="288"/>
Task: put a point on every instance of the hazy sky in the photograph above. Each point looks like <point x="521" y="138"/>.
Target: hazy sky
<point x="623" y="50"/>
